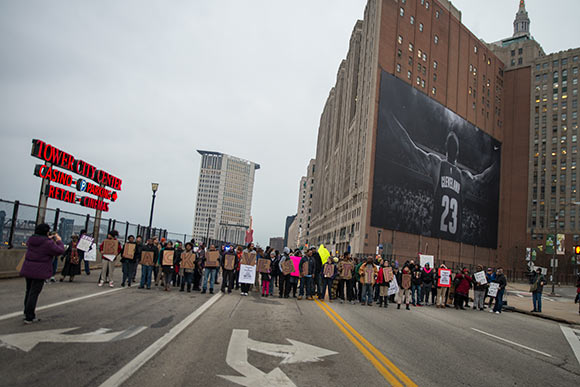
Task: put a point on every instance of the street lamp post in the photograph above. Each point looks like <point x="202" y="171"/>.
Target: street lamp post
<point x="207" y="235"/>
<point x="154" y="188"/>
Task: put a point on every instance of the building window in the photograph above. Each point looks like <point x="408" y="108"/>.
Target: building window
<point x="398" y="68"/>
<point x="520" y="51"/>
<point x="434" y="77"/>
<point x="475" y="49"/>
<point x="519" y="60"/>
<point x="418" y="81"/>
<point x="410" y="61"/>
<point x="421" y="27"/>
<point x="436" y="14"/>
<point x="436" y="39"/>
<point x="400" y="40"/>
<point x="427" y="5"/>
<point x="435" y="64"/>
<point x="434" y="91"/>
<point x="409" y="74"/>
<point x="513" y="52"/>
<point x="411" y="47"/>
<point x="402" y="11"/>
<point x="513" y="62"/>
<point x="423" y="83"/>
<point x="399" y="53"/>
<point x="424" y="56"/>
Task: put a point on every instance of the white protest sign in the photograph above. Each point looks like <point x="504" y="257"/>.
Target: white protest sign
<point x="423" y="259"/>
<point x="393" y="287"/>
<point x="85" y="243"/>
<point x="247" y="274"/>
<point x="444" y="278"/>
<point x="493" y="288"/>
<point x="91" y="255"/>
<point x="480" y="277"/>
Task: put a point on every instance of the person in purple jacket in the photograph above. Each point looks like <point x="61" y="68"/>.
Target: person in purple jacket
<point x="37" y="266"/>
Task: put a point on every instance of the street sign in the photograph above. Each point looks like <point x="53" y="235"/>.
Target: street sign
<point x="554" y="262"/>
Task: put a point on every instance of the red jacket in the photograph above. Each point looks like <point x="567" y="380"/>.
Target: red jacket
<point x="464" y="284"/>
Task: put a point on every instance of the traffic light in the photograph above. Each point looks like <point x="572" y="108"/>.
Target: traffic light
<point x="577" y="250"/>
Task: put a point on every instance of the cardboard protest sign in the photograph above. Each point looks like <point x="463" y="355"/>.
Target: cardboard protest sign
<point x="249" y="258"/>
<point x="444" y="280"/>
<point x="328" y="270"/>
<point x="85" y="243"/>
<point x="406" y="283"/>
<point x="346" y="271"/>
<point x="212" y="259"/>
<point x="493" y="289"/>
<point x="393" y="287"/>
<point x="296" y="263"/>
<point x="388" y="274"/>
<point x="167" y="257"/>
<point x="147" y="258"/>
<point x="91" y="255"/>
<point x="369" y="274"/>
<point x="110" y="247"/>
<point x="229" y="261"/>
<point x="264" y="265"/>
<point x="247" y="274"/>
<point x="480" y="277"/>
<point x="324" y="254"/>
<point x="129" y="250"/>
<point x="287" y="267"/>
<point x="187" y="260"/>
<point x="305" y="267"/>
<point x="423" y="259"/>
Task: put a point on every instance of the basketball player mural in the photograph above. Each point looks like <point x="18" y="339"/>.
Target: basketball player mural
<point x="451" y="183"/>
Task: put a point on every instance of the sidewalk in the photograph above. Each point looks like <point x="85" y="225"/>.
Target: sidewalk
<point x="561" y="309"/>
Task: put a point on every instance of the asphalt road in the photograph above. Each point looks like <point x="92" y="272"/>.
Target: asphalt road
<point x="151" y="338"/>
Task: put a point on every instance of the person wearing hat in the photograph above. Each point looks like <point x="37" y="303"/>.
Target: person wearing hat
<point x="490" y="276"/>
<point x="147" y="270"/>
<point x="537" y="286"/>
<point x="109" y="260"/>
<point x="283" y="280"/>
<point x="478" y="291"/>
<point x="346" y="278"/>
<point x="367" y="274"/>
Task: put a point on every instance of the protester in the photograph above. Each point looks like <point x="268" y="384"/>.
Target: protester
<point x="478" y="291"/>
<point x="345" y="270"/>
<point x="108" y="260"/>
<point x="167" y="267"/>
<point x="462" y="284"/>
<point x="228" y="274"/>
<point x="147" y="269"/>
<point x="329" y="271"/>
<point x="210" y="273"/>
<point x="417" y="283"/>
<point x="37" y="266"/>
<point x="490" y="276"/>
<point x="137" y="256"/>
<point x="307" y="268"/>
<point x="72" y="260"/>
<point x="187" y="273"/>
<point x="577" y="300"/>
<point x="502" y="281"/>
<point x="284" y="281"/>
<point x="404" y="287"/>
<point x="128" y="263"/>
<point x="82" y="255"/>
<point x="426" y="283"/>
<point x="383" y="285"/>
<point x="537" y="286"/>
<point x="441" y="290"/>
<point x="367" y="274"/>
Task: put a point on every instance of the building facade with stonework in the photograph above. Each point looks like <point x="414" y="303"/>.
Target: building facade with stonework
<point x="423" y="44"/>
<point x="304" y="208"/>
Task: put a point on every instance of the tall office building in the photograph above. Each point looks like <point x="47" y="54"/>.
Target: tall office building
<point x="418" y="99"/>
<point x="224" y="197"/>
<point x="544" y="121"/>
<point x="304" y="209"/>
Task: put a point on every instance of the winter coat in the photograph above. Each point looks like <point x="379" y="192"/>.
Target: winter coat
<point x="39" y="255"/>
<point x="417" y="277"/>
<point x="501" y="280"/>
<point x="311" y="265"/>
<point x="427" y="276"/>
<point x="381" y="278"/>
<point x="464" y="284"/>
<point x="361" y="273"/>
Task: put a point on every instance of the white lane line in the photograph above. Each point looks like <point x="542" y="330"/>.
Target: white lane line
<point x="571" y="335"/>
<point x="21" y="314"/>
<point x="139" y="361"/>
<point x="511" y="342"/>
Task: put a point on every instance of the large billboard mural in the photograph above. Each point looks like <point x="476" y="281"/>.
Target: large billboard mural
<point x="435" y="173"/>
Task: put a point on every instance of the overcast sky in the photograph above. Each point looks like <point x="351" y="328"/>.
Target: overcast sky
<point x="135" y="87"/>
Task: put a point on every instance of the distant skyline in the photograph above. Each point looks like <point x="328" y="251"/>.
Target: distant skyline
<point x="135" y="87"/>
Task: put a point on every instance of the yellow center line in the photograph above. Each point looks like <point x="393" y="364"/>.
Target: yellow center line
<point x="390" y="378"/>
<point x="396" y="371"/>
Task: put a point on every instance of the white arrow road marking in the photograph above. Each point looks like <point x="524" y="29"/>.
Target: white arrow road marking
<point x="29" y="340"/>
<point x="237" y="358"/>
<point x="572" y="336"/>
<point x="298" y="352"/>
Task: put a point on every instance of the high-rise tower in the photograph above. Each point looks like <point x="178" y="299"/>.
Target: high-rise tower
<point x="522" y="21"/>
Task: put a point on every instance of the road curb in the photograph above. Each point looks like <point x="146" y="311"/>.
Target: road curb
<point x="541" y="315"/>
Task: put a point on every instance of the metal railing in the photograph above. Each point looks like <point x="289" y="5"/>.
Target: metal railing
<point x="18" y="220"/>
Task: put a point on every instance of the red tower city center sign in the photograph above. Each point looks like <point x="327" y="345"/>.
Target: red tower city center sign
<point x="54" y="157"/>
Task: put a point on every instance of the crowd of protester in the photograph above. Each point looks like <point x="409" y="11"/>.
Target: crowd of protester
<point x="365" y="281"/>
